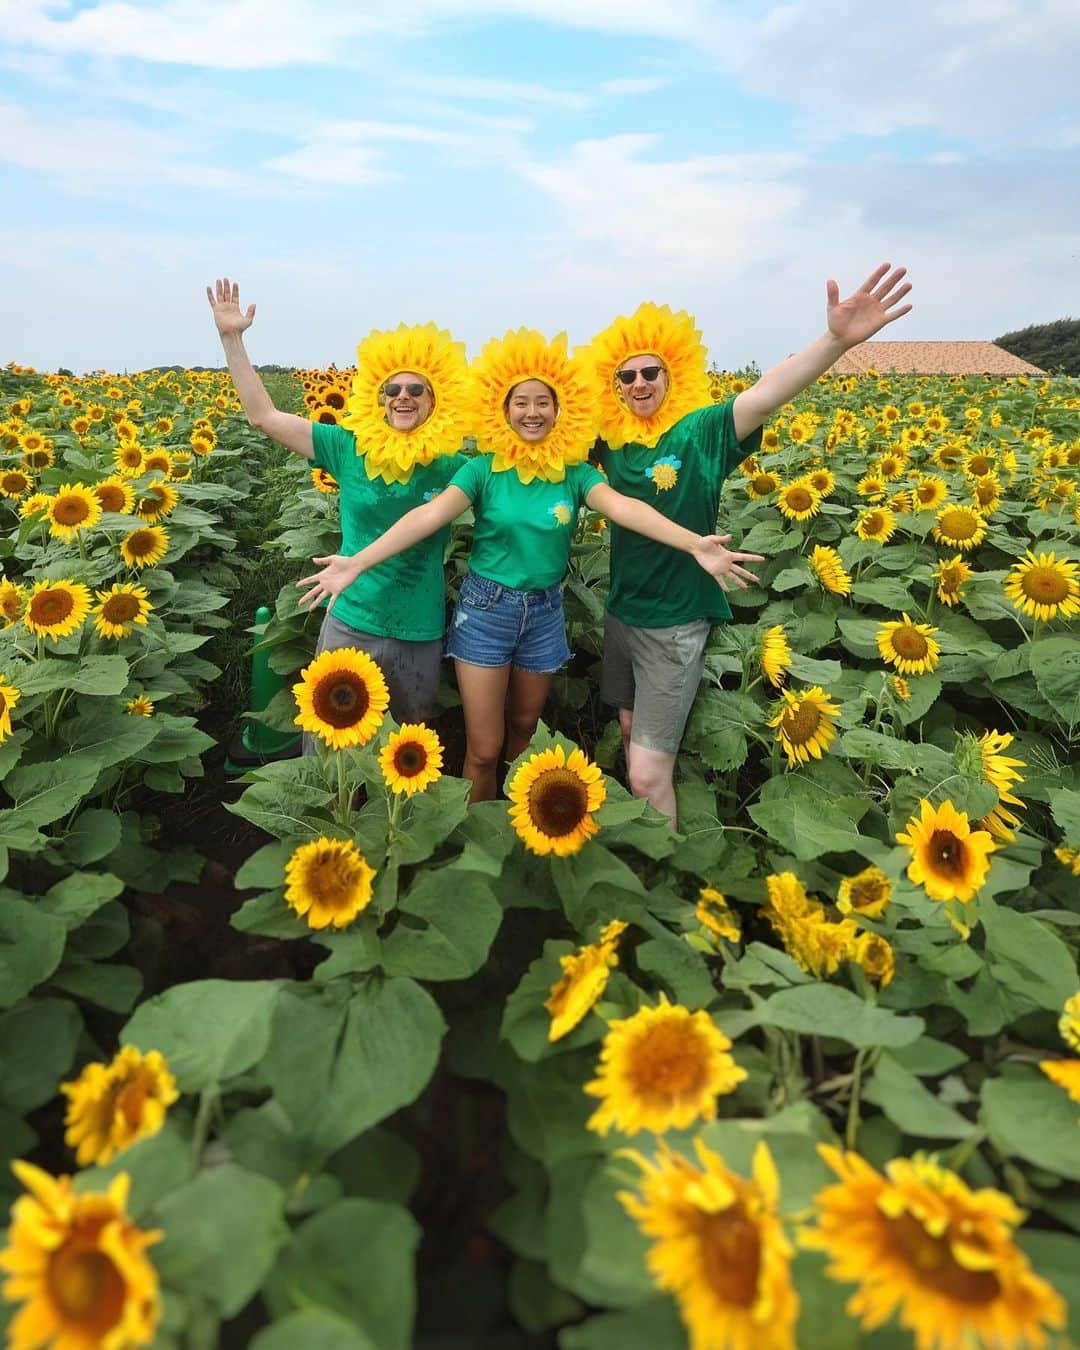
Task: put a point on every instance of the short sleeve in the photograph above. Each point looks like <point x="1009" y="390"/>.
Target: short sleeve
<point x="471" y="476"/>
<point x="712" y="430"/>
<point x="332" y="445"/>
<point x="583" y="478"/>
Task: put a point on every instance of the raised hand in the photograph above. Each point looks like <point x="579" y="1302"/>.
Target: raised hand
<point x="870" y="308"/>
<point x="338" y="574"/>
<point x="724" y="564"/>
<point x="224" y="300"/>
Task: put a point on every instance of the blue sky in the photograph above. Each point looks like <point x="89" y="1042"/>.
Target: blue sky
<point x="494" y="163"/>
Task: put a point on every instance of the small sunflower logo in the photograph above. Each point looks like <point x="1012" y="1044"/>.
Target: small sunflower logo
<point x="562" y="511"/>
<point x="665" y="472"/>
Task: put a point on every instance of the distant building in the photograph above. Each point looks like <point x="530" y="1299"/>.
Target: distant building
<point x="932" y="358"/>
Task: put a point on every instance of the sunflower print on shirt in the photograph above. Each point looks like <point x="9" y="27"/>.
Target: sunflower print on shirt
<point x="562" y="511"/>
<point x="665" y="472"/>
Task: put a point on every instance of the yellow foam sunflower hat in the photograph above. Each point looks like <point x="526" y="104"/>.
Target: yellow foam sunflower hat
<point x="432" y="353"/>
<point x="652" y="330"/>
<point x="527" y="355"/>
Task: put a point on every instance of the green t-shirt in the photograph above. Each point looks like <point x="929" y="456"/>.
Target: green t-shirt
<point x="403" y="597"/>
<point x="522" y="531"/>
<point x="653" y="586"/>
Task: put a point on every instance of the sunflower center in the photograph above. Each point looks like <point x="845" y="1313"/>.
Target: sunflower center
<point x="85" y="1286"/>
<point x="866" y="893"/>
<point x="668" y="1061"/>
<point x="410" y="759"/>
<point x="131" y="1099"/>
<point x="332" y="879"/>
<point x="120" y="608"/>
<point x="948" y="854"/>
<point x="1045" y="584"/>
<point x="799" y="499"/>
<point x="341" y="699"/>
<point x="15" y="482"/>
<point x="873" y="523"/>
<point x="949" y="579"/>
<point x="50" y="607"/>
<point x="731" y="1255"/>
<point x="935" y="1267"/>
<point x="70" y="510"/>
<point x="111" y="498"/>
<point x="985" y="492"/>
<point x="131" y="454"/>
<point x="926" y="492"/>
<point x="558" y="802"/>
<point x="799" y="724"/>
<point x="909" y="643"/>
<point x="3" y="703"/>
<point x="140" y="543"/>
<point x="764" y="483"/>
<point x="979" y="464"/>
<point x="959" y="524"/>
<point x="11" y="605"/>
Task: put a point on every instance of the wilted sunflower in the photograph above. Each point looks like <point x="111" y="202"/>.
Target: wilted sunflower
<point x="715" y="915"/>
<point x="1065" y="1073"/>
<point x="1070" y="858"/>
<point x="78" y="1265"/>
<point x="158" y="500"/>
<point x="73" y="509"/>
<point x="661" y="1069"/>
<point x="910" y="647"/>
<point x="14" y="483"/>
<point x="114" y="494"/>
<point x="804" y="724"/>
<point x="798" y="500"/>
<point x="1069" y="1021"/>
<point x="328" y="882"/>
<point x="959" y="527"/>
<point x="830" y="571"/>
<point x="809" y="936"/>
<point x="341" y="697"/>
<point x="9" y="696"/>
<point x="875" y="957"/>
<point x="56" y="608"/>
<point x="411" y="760"/>
<point x="119" y="608"/>
<point x="762" y="484"/>
<point x="878" y="525"/>
<point x="919" y="1243"/>
<point x="139" y="707"/>
<point x="929" y="492"/>
<point x="552" y="798"/>
<point x="1044" y="587"/>
<point x="112" y="1106"/>
<point x="12" y="602"/>
<point x="951" y="576"/>
<point x="325" y="482"/>
<point x="948" y="859"/>
<point x="144" y="547"/>
<point x="128" y="459"/>
<point x="901" y="688"/>
<point x="719" y="1247"/>
<point x="775" y="655"/>
<point x="867" y="893"/>
<point x="584" y="978"/>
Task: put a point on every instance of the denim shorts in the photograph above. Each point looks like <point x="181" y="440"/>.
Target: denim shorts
<point x="495" y="625"/>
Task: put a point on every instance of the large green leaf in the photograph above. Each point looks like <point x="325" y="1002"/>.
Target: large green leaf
<point x="806" y="830"/>
<point x="37" y="1046"/>
<point x="79" y="895"/>
<point x="594" y="1248"/>
<point x="1055" y="663"/>
<point x="911" y="1106"/>
<point x="679" y="970"/>
<point x="1027" y="957"/>
<point x="88" y="675"/>
<point x="1065" y="805"/>
<point x="828" y="1010"/>
<point x="93" y="835"/>
<point x="157" y="1166"/>
<point x="31" y="944"/>
<point x="457" y="927"/>
<point x="654" y="1325"/>
<point x="313" y="1329"/>
<point x="1034" y="1119"/>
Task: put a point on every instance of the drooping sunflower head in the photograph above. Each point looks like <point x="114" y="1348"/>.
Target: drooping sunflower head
<point x="948" y="859"/>
<point x="73" y="509"/>
<point x="661" y="1069"/>
<point x="715" y="915"/>
<point x="557" y="418"/>
<point x="342" y="697"/>
<point x="1044" y="586"/>
<point x="805" y="725"/>
<point x="951" y="575"/>
<point x="112" y="1106"/>
<point x="830" y="570"/>
<point x="875" y="957"/>
<point x="328" y="882"/>
<point x="431" y="354"/>
<point x="910" y="647"/>
<point x="960" y="527"/>
<point x="114" y="494"/>
<point x="584" y="978"/>
<point x="56" y="608"/>
<point x="411" y="760"/>
<point x="145" y="547"/>
<point x="119" y="608"/>
<point x="775" y="655"/>
<point x="798" y="500"/>
<point x="552" y="800"/>
<point x="674" y="341"/>
<point x="78" y="1265"/>
<point x="9" y="696"/>
<point x="867" y="893"/>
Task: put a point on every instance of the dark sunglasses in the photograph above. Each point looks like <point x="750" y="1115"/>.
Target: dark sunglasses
<point x="413" y="390"/>
<point x="647" y="373"/>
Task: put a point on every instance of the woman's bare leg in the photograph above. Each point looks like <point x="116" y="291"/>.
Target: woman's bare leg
<point x="483" y="700"/>
<point x="528" y="694"/>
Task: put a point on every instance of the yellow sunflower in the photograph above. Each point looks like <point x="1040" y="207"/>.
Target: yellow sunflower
<point x="411" y="760"/>
<point x="114" y="494"/>
<point x="959" y="527"/>
<point x="78" y="1265"/>
<point x="341" y="697"/>
<point x="929" y="492"/>
<point x="81" y="425"/>
<point x="878" y="525"/>
<point x="73" y="509"/>
<point x="1044" y="587"/>
<point x="128" y="459"/>
<point x="1065" y="1073"/>
<point x="986" y="495"/>
<point x="119" y="608"/>
<point x="157" y="461"/>
<point x="14" y="483"/>
<point x="718" y="1247"/>
<point x="9" y="696"/>
<point x="948" y="859"/>
<point x="30" y="506"/>
<point x="901" y="688"/>
<point x="56" y="608"/>
<point x="978" y="464"/>
<point x="875" y="957"/>
<point x="715" y="916"/>
<point x="652" y="330"/>
<point x="822" y="481"/>
<point x="325" y="482"/>
<point x="798" y="500"/>
<point x="910" y="647"/>
<point x="527" y="355"/>
<point x="1069" y="1021"/>
<point x="775" y="655"/>
<point x="1001" y="772"/>
<point x="112" y="1106"/>
<point x="804" y="724"/>
<point x="431" y="353"/>
<point x="328" y="882"/>
<point x="661" y="1069"/>
<point x="552" y="799"/>
<point x="181" y="467"/>
<point x="867" y="893"/>
<point x="1070" y="858"/>
<point x="810" y="938"/>
<point x="144" y="547"/>
<point x="139" y="707"/>
<point x="951" y="577"/>
<point x="12" y="602"/>
<point x="871" y="485"/>
<point x="157" y="501"/>
<point x="830" y="571"/>
<point x="920" y="1243"/>
<point x="584" y="978"/>
<point x="762" y="484"/>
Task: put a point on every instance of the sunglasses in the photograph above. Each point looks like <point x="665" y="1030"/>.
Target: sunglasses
<point x="647" y="373"/>
<point x="413" y="390"/>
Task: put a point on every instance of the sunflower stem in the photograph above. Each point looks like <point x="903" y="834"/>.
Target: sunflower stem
<point x="962" y="1154"/>
<point x="344" y="796"/>
<point x="851" y="1131"/>
<point x="201" y="1128"/>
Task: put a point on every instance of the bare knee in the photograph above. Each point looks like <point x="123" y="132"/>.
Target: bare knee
<point x="648" y="779"/>
<point x="521" y="726"/>
<point x="483" y="755"/>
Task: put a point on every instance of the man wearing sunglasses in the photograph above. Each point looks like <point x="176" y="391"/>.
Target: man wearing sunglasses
<point x="658" y="615"/>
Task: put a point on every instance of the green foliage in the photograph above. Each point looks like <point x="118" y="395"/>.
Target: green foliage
<point x="1050" y="346"/>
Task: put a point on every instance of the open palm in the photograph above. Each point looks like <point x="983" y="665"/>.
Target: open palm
<point x="224" y="300"/>
<point x="870" y="308"/>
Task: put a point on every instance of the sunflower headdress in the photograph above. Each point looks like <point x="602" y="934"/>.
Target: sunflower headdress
<point x="433" y="354"/>
<point x="527" y="355"/>
<point x="652" y="330"/>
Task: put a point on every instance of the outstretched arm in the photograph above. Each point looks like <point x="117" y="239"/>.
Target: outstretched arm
<point x="340" y="571"/>
<point x="850" y="322"/>
<point x="286" y="428"/>
<point x="708" y="549"/>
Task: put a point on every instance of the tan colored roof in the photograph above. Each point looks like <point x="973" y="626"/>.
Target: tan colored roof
<point x="933" y="358"/>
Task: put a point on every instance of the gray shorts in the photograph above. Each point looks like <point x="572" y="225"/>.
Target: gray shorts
<point x="656" y="673"/>
<point x="411" y="669"/>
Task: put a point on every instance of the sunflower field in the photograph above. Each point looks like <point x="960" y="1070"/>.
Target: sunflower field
<point x="322" y="1058"/>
